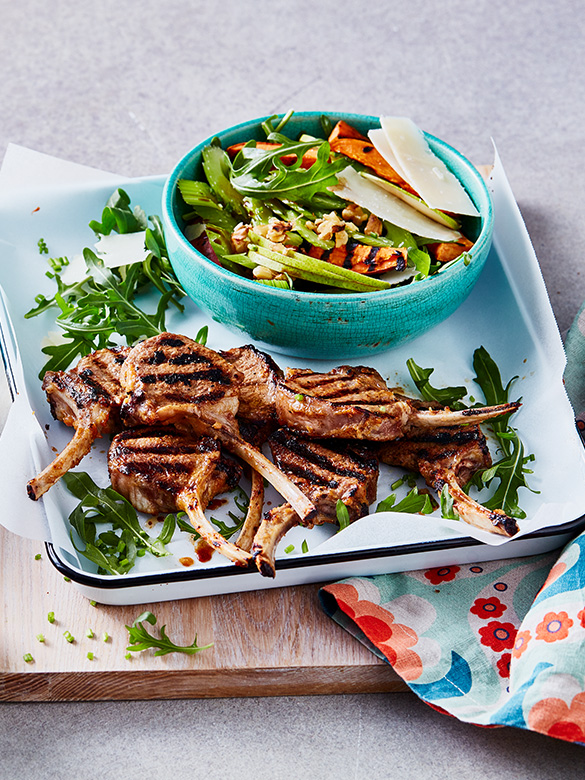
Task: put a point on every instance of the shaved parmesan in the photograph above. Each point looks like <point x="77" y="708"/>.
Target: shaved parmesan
<point x="115" y="250"/>
<point x="422" y="169"/>
<point x="378" y="201"/>
<point x="413" y="200"/>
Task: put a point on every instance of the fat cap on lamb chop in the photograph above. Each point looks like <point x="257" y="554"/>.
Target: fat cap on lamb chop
<point x="326" y="472"/>
<point x="162" y="470"/>
<point x="171" y="379"/>
<point x="87" y="398"/>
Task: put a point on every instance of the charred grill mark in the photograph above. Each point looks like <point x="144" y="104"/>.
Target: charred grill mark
<point x="303" y="450"/>
<point x="507" y="523"/>
<point x="172" y="341"/>
<point x="188" y="358"/>
<point x="156" y="359"/>
<point x="310" y="476"/>
<point x="97" y="391"/>
<point x="176" y="378"/>
<point x="514" y="405"/>
<point x="370" y="260"/>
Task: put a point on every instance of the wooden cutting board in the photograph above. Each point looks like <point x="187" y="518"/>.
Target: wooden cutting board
<point x="265" y="643"/>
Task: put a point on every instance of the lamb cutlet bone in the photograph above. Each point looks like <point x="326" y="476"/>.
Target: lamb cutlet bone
<point x="170" y="379"/>
<point x="354" y="402"/>
<point x="326" y="472"/>
<point x="450" y="456"/>
<point x="87" y="398"/>
<point x="162" y="470"/>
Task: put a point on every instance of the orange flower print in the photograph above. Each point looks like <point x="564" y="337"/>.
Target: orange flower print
<point x="488" y="608"/>
<point x="498" y="636"/>
<point x="581" y="616"/>
<point x="504" y="665"/>
<point x="554" y="626"/>
<point x="394" y="639"/>
<point x="521" y="643"/>
<point x="443" y="574"/>
<point x="554" y="717"/>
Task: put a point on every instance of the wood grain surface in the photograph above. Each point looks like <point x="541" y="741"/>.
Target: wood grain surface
<point x="265" y="643"/>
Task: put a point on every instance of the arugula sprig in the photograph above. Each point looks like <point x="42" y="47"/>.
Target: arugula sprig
<point x="114" y="550"/>
<point x="141" y="639"/>
<point x="241" y="500"/>
<point x="258" y="172"/>
<point x="511" y="469"/>
<point x="94" y="311"/>
<point x="415" y="502"/>
<point x="447" y="396"/>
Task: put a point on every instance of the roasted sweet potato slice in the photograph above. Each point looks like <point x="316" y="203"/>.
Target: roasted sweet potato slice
<point x="343" y="130"/>
<point x="445" y="252"/>
<point x="363" y="259"/>
<point x="365" y="153"/>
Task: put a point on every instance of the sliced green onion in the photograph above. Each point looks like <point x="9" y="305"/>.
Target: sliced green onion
<point x="28" y="658"/>
<point x="69" y="636"/>
<point x="51" y="617"/>
<point x="289" y="549"/>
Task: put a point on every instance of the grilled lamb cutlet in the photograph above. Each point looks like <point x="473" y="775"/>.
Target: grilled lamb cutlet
<point x="258" y="372"/>
<point x="354" y="402"/>
<point x="170" y="379"/>
<point x="162" y="470"/>
<point x="451" y="456"/>
<point x="87" y="398"/>
<point x="326" y="472"/>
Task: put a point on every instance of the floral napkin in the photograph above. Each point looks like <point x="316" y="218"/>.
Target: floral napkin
<point x="495" y="644"/>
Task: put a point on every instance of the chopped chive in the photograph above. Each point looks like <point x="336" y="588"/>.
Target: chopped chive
<point x="89" y="634"/>
<point x="105" y="636"/>
<point x="69" y="636"/>
<point x="90" y="656"/>
<point x="140" y="553"/>
<point x="28" y="658"/>
<point x="93" y="603"/>
<point x="67" y="579"/>
<point x="304" y="546"/>
<point x="128" y="656"/>
<point x="289" y="549"/>
<point x="40" y="637"/>
<point x="299" y="397"/>
<point x="396" y="485"/>
<point x="38" y="557"/>
<point x="43" y="249"/>
<point x="51" y="617"/>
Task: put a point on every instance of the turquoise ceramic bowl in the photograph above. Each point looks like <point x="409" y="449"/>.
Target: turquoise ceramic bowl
<point x="313" y="325"/>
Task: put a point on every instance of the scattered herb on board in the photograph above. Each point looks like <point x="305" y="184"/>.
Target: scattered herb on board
<point x="142" y="639"/>
<point x="94" y="311"/>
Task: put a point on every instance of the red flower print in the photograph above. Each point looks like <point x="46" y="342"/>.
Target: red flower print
<point x="443" y="574"/>
<point x="488" y="608"/>
<point x="581" y="616"/>
<point x="554" y="626"/>
<point x="521" y="643"/>
<point x="553" y="717"/>
<point x="504" y="665"/>
<point x="498" y="636"/>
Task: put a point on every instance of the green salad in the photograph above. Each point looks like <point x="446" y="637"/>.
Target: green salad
<point x="326" y="214"/>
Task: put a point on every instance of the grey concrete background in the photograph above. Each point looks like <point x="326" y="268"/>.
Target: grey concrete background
<point x="129" y="87"/>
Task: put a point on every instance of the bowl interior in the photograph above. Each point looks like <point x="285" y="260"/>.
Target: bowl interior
<point x="239" y="302"/>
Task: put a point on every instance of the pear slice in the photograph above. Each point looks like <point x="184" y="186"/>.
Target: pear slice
<point x="414" y="201"/>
